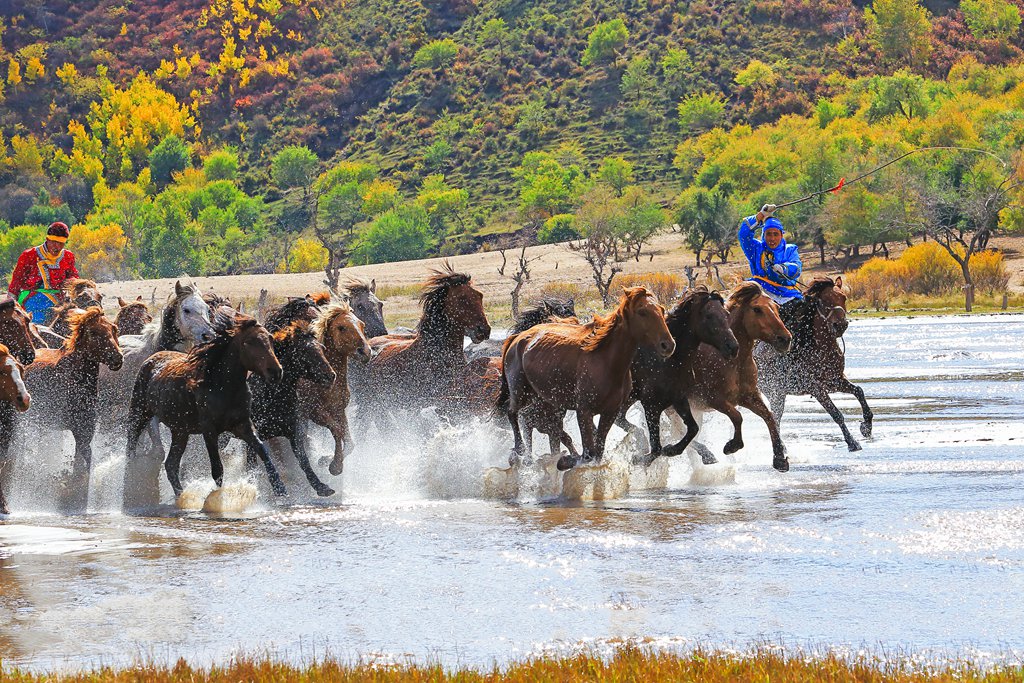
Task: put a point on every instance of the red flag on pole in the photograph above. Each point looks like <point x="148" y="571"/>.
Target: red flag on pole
<point x="835" y="190"/>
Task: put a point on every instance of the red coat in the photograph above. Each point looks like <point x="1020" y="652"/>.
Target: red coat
<point x="30" y="275"/>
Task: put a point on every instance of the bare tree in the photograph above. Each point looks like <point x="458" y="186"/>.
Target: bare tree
<point x="521" y="275"/>
<point x="599" y="219"/>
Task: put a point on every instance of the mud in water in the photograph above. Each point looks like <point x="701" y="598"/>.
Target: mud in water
<point x="433" y="547"/>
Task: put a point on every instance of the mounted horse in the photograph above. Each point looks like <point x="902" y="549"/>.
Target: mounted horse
<point x="548" y="309"/>
<point x="585" y="368"/>
<point x="723" y="384"/>
<point x="205" y="392"/>
<point x="341" y="334"/>
<point x="815" y="365"/>
<point x="275" y="405"/>
<point x="64" y="385"/>
<point x="132" y="316"/>
<point x="14" y="396"/>
<point x="417" y="371"/>
<point x="660" y="383"/>
<point x="362" y="297"/>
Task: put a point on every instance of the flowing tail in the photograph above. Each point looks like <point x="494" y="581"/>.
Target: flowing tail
<point x="501" y="405"/>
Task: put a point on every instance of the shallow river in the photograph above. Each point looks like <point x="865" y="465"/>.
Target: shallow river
<point x="915" y="544"/>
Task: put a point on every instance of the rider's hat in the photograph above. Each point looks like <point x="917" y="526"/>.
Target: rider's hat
<point x="773" y="222"/>
<point x="58" y="232"/>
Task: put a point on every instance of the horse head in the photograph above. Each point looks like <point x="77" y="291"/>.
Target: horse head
<point x="645" y="318"/>
<point x="16" y="331"/>
<point x="701" y="315"/>
<point x="95" y="337"/>
<point x="341" y="332"/>
<point x="452" y="303"/>
<point x="12" y="386"/>
<point x="192" y="314"/>
<point x="829" y="302"/>
<point x="756" y="317"/>
<point x="132" y="316"/>
<point x="83" y="293"/>
<point x="300" y="353"/>
<point x="255" y="349"/>
<point x="362" y="297"/>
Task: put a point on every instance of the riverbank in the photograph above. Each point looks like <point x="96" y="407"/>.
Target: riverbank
<point x="626" y="664"/>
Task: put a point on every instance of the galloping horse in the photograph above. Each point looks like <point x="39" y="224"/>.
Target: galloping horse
<point x="815" y="365"/>
<point x="342" y="335"/>
<point x="546" y="310"/>
<point x="585" y="368"/>
<point x="132" y="316"/>
<point x="362" y="297"/>
<point x="205" y="392"/>
<point x="16" y="331"/>
<point x="64" y="385"/>
<point x="275" y="406"/>
<point x="14" y="396"/>
<point x="417" y="371"/>
<point x="660" y="382"/>
<point x="724" y="384"/>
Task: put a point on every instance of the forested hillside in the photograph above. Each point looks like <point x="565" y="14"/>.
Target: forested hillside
<point x="228" y="136"/>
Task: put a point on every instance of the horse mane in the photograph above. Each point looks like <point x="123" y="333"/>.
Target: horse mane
<point x="280" y="316"/>
<point x="226" y="328"/>
<point x="593" y="334"/>
<point x="78" y="322"/>
<point x="326" y="318"/>
<point x="744" y="294"/>
<point x="75" y="285"/>
<point x="355" y="285"/>
<point x="320" y="298"/>
<point x="681" y="309"/>
<point x="292" y="331"/>
<point x="546" y="310"/>
<point x="435" y="289"/>
<point x="819" y="285"/>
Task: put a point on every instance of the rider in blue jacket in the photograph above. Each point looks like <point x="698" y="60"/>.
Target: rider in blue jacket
<point x="774" y="265"/>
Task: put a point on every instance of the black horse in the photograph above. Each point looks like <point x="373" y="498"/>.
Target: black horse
<point x="544" y="311"/>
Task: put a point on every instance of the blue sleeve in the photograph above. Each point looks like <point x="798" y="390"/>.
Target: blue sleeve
<point x="748" y="243"/>
<point x="794" y="266"/>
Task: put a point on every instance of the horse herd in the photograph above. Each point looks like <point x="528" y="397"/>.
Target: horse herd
<point x="204" y="368"/>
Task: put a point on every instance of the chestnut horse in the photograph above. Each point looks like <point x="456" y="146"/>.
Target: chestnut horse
<point x="660" y="383"/>
<point x="417" y="371"/>
<point x="14" y="396"/>
<point x="585" y="368"/>
<point x="815" y="365"/>
<point x="64" y="385"/>
<point x="275" y="406"/>
<point x="205" y="392"/>
<point x="132" y="316"/>
<point x="724" y="384"/>
<point x="362" y="297"/>
<point x="342" y="335"/>
<point x="16" y="331"/>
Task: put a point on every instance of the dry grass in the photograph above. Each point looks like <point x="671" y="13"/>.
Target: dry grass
<point x="627" y="664"/>
<point x="666" y="286"/>
<point x="385" y="291"/>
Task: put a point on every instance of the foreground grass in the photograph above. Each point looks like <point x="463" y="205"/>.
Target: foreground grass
<point x="627" y="664"/>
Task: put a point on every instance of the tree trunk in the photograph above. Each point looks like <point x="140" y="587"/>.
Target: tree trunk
<point x="965" y="268"/>
<point x="821" y="252"/>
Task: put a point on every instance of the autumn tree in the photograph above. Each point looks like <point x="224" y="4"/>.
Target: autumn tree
<point x="902" y="29"/>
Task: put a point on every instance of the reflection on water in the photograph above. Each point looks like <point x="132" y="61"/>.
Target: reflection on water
<point x="915" y="542"/>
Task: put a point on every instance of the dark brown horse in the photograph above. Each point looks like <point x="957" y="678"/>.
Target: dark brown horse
<point x="14" y="396"/>
<point x="342" y="335"/>
<point x="63" y="384"/>
<point x="660" y="383"/>
<point x="724" y="384"/>
<point x="296" y="308"/>
<point x="815" y="365"/>
<point x="275" y="405"/>
<point x="205" y="392"/>
<point x="16" y="331"/>
<point x="417" y="371"/>
<point x="547" y="310"/>
<point x="132" y="316"/>
<point x="585" y="368"/>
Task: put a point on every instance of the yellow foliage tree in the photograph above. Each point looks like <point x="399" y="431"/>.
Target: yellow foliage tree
<point x="306" y="256"/>
<point x="14" y="72"/>
<point x="100" y="251"/>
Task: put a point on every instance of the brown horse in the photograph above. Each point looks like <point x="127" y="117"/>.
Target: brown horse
<point x="660" y="383"/>
<point x="63" y="383"/>
<point x="585" y="368"/>
<point x="815" y="365"/>
<point x="132" y="316"/>
<point x="205" y="392"/>
<point x="16" y="331"/>
<point x="14" y="396"/>
<point x="341" y="333"/>
<point x="724" y="384"/>
<point x="416" y="371"/>
<point x="82" y="293"/>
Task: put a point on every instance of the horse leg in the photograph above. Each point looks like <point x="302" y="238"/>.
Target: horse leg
<point x="246" y="434"/>
<point x="736" y="442"/>
<point x="343" y="443"/>
<point x="636" y="433"/>
<point x="212" y="441"/>
<point x="755" y="404"/>
<point x="826" y="402"/>
<point x="683" y="409"/>
<point x="848" y="387"/>
<point x="516" y="402"/>
<point x="604" y="425"/>
<point x="298" y="442"/>
<point x="6" y="433"/>
<point x="585" y="419"/>
<point x="179" y="442"/>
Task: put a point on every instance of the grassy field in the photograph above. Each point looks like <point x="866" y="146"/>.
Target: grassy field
<point x="627" y="664"/>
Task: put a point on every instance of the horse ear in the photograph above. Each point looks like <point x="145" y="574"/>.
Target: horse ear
<point x="138" y="298"/>
<point x="373" y="285"/>
<point x="839" y="282"/>
<point x="121" y="302"/>
<point x="178" y="289"/>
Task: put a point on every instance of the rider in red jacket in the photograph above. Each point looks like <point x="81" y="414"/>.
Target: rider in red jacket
<point x="38" y="280"/>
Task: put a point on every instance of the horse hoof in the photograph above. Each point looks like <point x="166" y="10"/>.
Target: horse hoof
<point x="708" y="459"/>
<point x="566" y="462"/>
<point x="324" y="491"/>
<point x="336" y="469"/>
<point x="732" y="446"/>
<point x="781" y="464"/>
<point x="865" y="430"/>
<point x="854" y="446"/>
